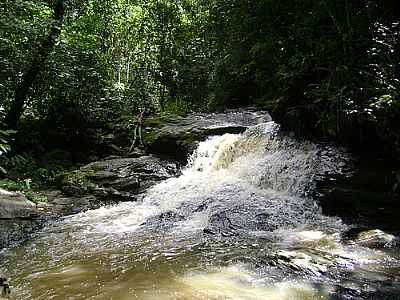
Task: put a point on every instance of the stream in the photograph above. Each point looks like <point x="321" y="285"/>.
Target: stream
<point x="241" y="222"/>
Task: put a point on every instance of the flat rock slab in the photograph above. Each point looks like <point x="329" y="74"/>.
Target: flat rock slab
<point x="18" y="218"/>
<point x="129" y="174"/>
<point x="15" y="205"/>
<point x="117" y="178"/>
<point x="141" y="167"/>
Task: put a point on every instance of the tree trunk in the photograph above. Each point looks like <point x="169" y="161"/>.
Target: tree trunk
<point x="37" y="64"/>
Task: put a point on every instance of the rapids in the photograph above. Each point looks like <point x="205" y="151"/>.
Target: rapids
<point x="240" y="222"/>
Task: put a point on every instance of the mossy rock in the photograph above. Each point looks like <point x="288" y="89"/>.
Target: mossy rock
<point x="75" y="183"/>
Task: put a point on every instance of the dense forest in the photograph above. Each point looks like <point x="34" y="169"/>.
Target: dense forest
<point x="200" y="149"/>
<point x="72" y="71"/>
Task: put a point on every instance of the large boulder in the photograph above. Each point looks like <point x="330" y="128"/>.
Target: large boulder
<point x="58" y="204"/>
<point x="18" y="218"/>
<point x="117" y="178"/>
<point x="177" y="136"/>
<point x="365" y="198"/>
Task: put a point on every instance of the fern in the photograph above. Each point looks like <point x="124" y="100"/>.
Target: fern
<point x="5" y="138"/>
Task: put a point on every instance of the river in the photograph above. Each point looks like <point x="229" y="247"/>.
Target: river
<point x="241" y="222"/>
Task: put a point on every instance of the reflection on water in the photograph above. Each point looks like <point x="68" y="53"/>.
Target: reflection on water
<point x="235" y="283"/>
<point x="175" y="269"/>
<point x="238" y="224"/>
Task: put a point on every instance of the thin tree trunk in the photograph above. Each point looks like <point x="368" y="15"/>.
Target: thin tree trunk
<point x="137" y="133"/>
<point x="37" y="64"/>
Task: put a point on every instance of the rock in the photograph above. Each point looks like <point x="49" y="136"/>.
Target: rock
<point x="163" y="221"/>
<point x="364" y="197"/>
<point x="129" y="174"/>
<point x="177" y="136"/>
<point x="303" y="262"/>
<point x="309" y="262"/>
<point x="240" y="219"/>
<point x="61" y="205"/>
<point x="117" y="178"/>
<point x="75" y="183"/>
<point x="370" y="238"/>
<point x="15" y="205"/>
<point x="111" y="195"/>
<point x="18" y="218"/>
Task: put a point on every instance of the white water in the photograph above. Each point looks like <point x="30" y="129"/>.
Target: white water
<point x="258" y="168"/>
<point x="242" y="199"/>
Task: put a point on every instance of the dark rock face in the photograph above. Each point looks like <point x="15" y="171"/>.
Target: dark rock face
<point x="238" y="220"/>
<point x="18" y="218"/>
<point x="130" y="174"/>
<point x="117" y="179"/>
<point x="366" y="198"/>
<point x="163" y="221"/>
<point x="58" y="204"/>
<point x="177" y="136"/>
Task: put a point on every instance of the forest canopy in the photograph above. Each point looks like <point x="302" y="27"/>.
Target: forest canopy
<point x="325" y="69"/>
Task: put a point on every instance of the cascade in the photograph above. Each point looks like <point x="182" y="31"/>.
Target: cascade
<point x="240" y="222"/>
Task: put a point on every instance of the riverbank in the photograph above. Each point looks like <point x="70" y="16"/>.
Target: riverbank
<point x="120" y="177"/>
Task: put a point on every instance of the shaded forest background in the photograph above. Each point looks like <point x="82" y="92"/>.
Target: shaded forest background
<point x="72" y="71"/>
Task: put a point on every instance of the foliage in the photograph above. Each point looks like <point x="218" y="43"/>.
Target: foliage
<point x="25" y="166"/>
<point x="5" y="138"/>
<point x="325" y="69"/>
<point x="74" y="183"/>
<point x="396" y="186"/>
<point x="24" y="186"/>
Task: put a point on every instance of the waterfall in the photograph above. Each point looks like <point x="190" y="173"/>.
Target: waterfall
<point x="240" y="222"/>
<point x="260" y="180"/>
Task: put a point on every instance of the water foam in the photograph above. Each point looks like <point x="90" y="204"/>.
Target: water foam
<point x="241" y="198"/>
<point x="254" y="173"/>
<point x="235" y="282"/>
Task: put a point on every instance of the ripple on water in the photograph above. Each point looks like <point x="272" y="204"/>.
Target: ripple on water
<point x="238" y="224"/>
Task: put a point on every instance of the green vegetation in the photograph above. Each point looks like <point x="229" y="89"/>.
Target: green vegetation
<point x="4" y="145"/>
<point x="75" y="183"/>
<point x="29" y="189"/>
<point x="72" y="73"/>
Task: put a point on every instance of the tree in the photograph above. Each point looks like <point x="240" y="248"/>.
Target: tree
<point x="37" y="64"/>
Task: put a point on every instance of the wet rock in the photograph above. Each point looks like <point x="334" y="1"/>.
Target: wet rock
<point x="311" y="262"/>
<point x="302" y="262"/>
<point x="177" y="136"/>
<point x="117" y="178"/>
<point x="15" y="205"/>
<point x="239" y="219"/>
<point x="223" y="224"/>
<point x="75" y="183"/>
<point x="365" y="198"/>
<point x="18" y="218"/>
<point x="370" y="238"/>
<point x="163" y="221"/>
<point x="111" y="195"/>
<point x="387" y="293"/>
<point x="59" y="204"/>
